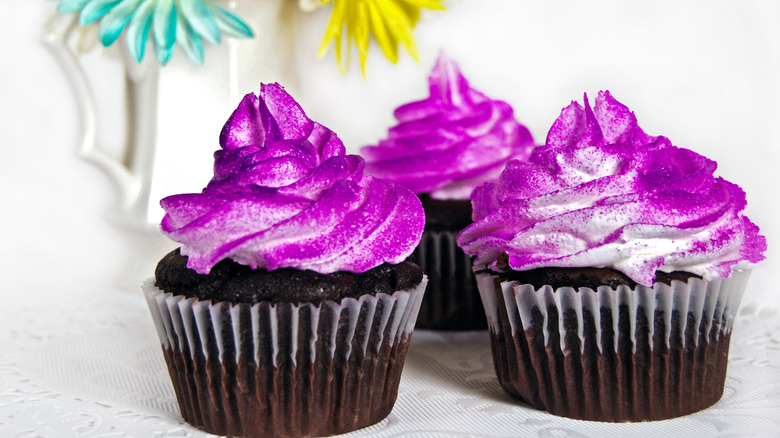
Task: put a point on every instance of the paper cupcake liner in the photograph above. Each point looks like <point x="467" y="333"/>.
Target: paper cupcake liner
<point x="647" y="353"/>
<point x="281" y="369"/>
<point x="452" y="300"/>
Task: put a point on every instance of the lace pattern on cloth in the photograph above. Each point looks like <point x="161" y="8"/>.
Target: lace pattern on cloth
<point x="94" y="368"/>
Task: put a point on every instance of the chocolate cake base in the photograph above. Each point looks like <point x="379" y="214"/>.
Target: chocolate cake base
<point x="592" y="278"/>
<point x="649" y="384"/>
<point x="285" y="370"/>
<point x="236" y="283"/>
<point x="452" y="300"/>
<point x="284" y="353"/>
<point x="611" y="361"/>
<point x="306" y="399"/>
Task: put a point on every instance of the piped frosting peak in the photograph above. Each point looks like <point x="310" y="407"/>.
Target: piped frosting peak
<point x="286" y="194"/>
<point x="451" y="142"/>
<point x="603" y="193"/>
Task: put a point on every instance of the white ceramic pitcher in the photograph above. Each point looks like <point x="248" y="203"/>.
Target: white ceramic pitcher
<point x="172" y="114"/>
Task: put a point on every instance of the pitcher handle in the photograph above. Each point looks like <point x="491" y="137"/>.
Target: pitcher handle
<point x="132" y="175"/>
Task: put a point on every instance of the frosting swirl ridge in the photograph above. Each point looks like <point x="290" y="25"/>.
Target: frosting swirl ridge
<point x="603" y="193"/>
<point x="285" y="194"/>
<point x="451" y="142"/>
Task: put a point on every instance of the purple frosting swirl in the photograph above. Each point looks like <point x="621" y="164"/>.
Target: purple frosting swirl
<point x="602" y="193"/>
<point x="451" y="142"/>
<point x="286" y="194"/>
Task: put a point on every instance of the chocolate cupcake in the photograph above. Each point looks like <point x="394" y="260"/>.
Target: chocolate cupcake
<point x="288" y="309"/>
<point x="442" y="148"/>
<point x="611" y="265"/>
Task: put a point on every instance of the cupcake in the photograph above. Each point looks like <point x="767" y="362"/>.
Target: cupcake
<point x="442" y="148"/>
<point x="289" y="307"/>
<point x="611" y="265"/>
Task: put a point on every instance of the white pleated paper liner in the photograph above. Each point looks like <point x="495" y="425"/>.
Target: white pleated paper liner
<point x="452" y="300"/>
<point x="647" y="353"/>
<point x="281" y="369"/>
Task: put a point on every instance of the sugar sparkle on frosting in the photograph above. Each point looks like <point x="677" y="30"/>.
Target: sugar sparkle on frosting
<point x="451" y="142"/>
<point x="286" y="194"/>
<point x="602" y="193"/>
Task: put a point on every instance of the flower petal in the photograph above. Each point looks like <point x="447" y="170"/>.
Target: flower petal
<point x="399" y="24"/>
<point x="94" y="10"/>
<point x="384" y="38"/>
<point x="362" y="33"/>
<point x="112" y="25"/>
<point x="428" y="4"/>
<point x="189" y="41"/>
<point x="66" y="6"/>
<point x="138" y="29"/>
<point x="201" y="20"/>
<point x="335" y="32"/>
<point x="164" y="29"/>
<point x="230" y="24"/>
<point x="412" y="13"/>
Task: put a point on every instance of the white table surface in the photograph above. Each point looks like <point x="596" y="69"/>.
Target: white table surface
<point x="85" y="362"/>
<point x="78" y="354"/>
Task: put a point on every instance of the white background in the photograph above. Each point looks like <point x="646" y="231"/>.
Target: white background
<point x="704" y="73"/>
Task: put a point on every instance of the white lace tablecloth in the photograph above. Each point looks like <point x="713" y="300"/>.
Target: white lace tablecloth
<point x="87" y="363"/>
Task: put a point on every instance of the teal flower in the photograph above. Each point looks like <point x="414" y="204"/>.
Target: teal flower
<point x="186" y="22"/>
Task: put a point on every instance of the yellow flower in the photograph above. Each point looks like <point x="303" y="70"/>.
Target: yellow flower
<point x="390" y="22"/>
